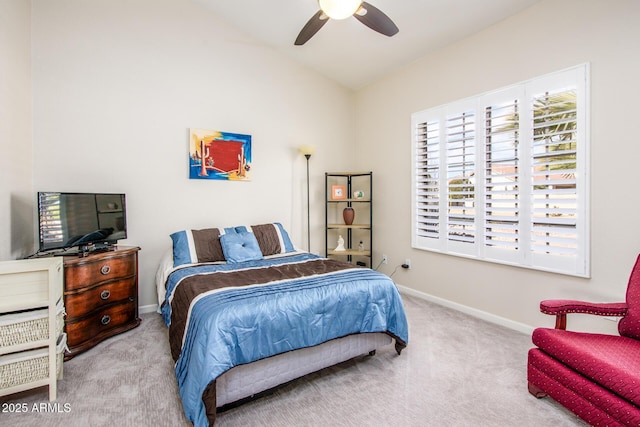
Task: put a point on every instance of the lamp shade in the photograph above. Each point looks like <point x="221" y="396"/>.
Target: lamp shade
<point x="339" y="9"/>
<point x="307" y="150"/>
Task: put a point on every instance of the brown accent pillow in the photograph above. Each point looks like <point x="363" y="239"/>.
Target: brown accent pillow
<point x="207" y="244"/>
<point x="267" y="238"/>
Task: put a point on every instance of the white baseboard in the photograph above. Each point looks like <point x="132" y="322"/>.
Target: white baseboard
<point x="489" y="317"/>
<point x="152" y="308"/>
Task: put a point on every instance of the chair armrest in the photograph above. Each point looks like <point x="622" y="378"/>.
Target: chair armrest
<point x="560" y="309"/>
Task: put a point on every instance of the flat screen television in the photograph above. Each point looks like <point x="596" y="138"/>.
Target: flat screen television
<point x="84" y="220"/>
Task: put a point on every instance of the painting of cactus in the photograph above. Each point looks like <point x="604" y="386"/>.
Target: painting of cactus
<point x="219" y="155"/>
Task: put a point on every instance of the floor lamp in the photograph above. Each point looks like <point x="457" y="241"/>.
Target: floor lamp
<point x="307" y="151"/>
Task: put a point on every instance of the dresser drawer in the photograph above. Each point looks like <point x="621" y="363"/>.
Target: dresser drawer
<point x="80" y="275"/>
<point x="101" y="296"/>
<point x="81" y="303"/>
<point x="101" y="322"/>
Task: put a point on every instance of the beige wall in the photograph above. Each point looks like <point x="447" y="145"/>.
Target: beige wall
<point x="117" y="85"/>
<point x="16" y="153"/>
<point x="550" y="36"/>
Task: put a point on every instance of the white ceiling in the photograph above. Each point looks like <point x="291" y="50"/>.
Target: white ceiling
<point x="351" y="53"/>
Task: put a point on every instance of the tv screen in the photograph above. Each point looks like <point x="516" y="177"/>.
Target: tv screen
<point x="80" y="219"/>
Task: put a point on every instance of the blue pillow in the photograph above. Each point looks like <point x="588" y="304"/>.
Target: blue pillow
<point x="196" y="246"/>
<point x="239" y="247"/>
<point x="272" y="238"/>
<point x="183" y="250"/>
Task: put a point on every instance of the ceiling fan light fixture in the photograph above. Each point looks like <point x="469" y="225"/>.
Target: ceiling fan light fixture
<point x="339" y="9"/>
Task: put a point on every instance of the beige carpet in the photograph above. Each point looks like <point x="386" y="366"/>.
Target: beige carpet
<point x="456" y="371"/>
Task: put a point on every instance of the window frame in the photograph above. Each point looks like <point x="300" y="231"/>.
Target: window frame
<point x="521" y="254"/>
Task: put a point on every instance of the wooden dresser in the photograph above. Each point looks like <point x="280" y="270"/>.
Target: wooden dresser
<point x="100" y="296"/>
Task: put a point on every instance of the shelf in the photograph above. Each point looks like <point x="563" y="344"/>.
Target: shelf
<point x="11" y="306"/>
<point x="349" y="201"/>
<point x="27" y="285"/>
<point x="352" y="183"/>
<point x="26" y="386"/>
<point x="345" y="174"/>
<point x="25" y="346"/>
<point x="349" y="252"/>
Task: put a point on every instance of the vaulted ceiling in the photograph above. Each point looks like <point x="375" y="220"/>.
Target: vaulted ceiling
<point x="349" y="52"/>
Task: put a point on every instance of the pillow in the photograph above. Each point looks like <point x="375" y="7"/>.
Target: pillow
<point x="239" y="247"/>
<point x="272" y="238"/>
<point x="195" y="246"/>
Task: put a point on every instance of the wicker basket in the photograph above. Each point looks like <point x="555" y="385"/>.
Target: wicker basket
<point x="29" y="366"/>
<point x="24" y="367"/>
<point x="29" y="326"/>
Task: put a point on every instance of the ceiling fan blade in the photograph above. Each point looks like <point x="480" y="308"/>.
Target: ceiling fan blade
<point x="375" y="19"/>
<point x="311" y="27"/>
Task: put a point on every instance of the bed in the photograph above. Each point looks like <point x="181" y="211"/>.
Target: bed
<point x="247" y="311"/>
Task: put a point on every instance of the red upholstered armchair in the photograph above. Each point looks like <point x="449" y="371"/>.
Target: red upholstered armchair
<point x="596" y="376"/>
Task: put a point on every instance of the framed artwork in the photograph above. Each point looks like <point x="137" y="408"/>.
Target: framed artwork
<point x="219" y="155"/>
<point x="338" y="192"/>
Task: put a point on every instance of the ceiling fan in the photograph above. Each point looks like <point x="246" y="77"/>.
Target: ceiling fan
<point x="369" y="15"/>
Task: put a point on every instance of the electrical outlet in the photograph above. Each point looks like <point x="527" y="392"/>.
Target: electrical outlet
<point x="407" y="262"/>
<point x="384" y="259"/>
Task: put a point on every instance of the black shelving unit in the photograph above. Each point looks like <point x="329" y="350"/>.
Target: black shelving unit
<point x="345" y="185"/>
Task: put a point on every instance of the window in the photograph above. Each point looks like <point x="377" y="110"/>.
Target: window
<point x="502" y="176"/>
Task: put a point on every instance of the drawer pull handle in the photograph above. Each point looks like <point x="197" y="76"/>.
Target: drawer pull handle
<point x="105" y="319"/>
<point x="105" y="269"/>
<point x="105" y="294"/>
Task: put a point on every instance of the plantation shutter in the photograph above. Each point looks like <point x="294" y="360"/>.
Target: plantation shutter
<point x="502" y="199"/>
<point x="428" y="178"/>
<point x="460" y="160"/>
<point x="503" y="176"/>
<point x="553" y="168"/>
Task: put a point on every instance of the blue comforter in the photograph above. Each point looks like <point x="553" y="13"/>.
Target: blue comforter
<point x="291" y="302"/>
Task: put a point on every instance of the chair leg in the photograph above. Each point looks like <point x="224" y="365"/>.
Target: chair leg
<point x="536" y="391"/>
